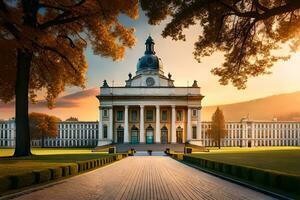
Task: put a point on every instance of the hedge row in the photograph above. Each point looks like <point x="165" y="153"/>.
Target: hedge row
<point x="280" y="181"/>
<point x="40" y="176"/>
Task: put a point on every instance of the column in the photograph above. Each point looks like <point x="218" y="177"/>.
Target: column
<point x="142" y="127"/>
<point x="173" y="136"/>
<point x="100" y="128"/>
<point x="111" y="128"/>
<point x="189" y="125"/>
<point x="157" y="123"/>
<point x="199" y="137"/>
<point x="126" y="139"/>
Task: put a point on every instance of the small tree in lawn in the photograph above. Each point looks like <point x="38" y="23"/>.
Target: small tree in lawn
<point x="217" y="129"/>
<point x="42" y="125"/>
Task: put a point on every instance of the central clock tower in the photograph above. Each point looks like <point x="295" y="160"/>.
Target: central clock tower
<point x="149" y="70"/>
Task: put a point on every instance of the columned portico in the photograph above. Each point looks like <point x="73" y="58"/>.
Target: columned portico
<point x="173" y="118"/>
<point x="100" y="128"/>
<point x="199" y="137"/>
<point x="142" y="125"/>
<point x="189" y="124"/>
<point x="111" y="128"/>
<point x="157" y="125"/>
<point x="126" y="136"/>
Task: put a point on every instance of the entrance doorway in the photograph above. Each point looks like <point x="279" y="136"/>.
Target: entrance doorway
<point x="134" y="135"/>
<point x="149" y="135"/>
<point x="179" y="132"/>
<point x="120" y="135"/>
<point x="164" y="135"/>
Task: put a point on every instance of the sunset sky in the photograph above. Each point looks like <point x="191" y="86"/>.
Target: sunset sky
<point x="177" y="59"/>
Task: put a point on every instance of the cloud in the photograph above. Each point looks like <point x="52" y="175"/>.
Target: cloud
<point x="67" y="101"/>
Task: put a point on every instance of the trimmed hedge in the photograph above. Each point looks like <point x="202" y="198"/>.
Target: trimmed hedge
<point x="23" y="180"/>
<point x="40" y="176"/>
<point x="280" y="181"/>
<point x="56" y="173"/>
<point x="5" y="183"/>
<point x="73" y="169"/>
<point x="65" y="170"/>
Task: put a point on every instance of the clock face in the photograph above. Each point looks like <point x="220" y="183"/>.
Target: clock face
<point x="150" y="81"/>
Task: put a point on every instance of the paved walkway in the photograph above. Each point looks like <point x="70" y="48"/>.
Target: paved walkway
<point x="143" y="178"/>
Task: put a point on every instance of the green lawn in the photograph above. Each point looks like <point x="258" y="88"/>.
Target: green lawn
<point x="43" y="158"/>
<point x="282" y="159"/>
<point x="47" y="151"/>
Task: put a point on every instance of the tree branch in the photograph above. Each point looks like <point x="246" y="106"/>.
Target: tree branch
<point x="58" y="21"/>
<point x="61" y="55"/>
<point x="69" y="39"/>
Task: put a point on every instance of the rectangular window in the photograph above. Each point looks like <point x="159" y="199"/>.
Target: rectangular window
<point x="149" y="115"/>
<point x="120" y="115"/>
<point x="134" y="115"/>
<point x="194" y="113"/>
<point x="179" y="116"/>
<point x="194" y="132"/>
<point x="105" y="113"/>
<point x="105" y="131"/>
<point x="164" y="115"/>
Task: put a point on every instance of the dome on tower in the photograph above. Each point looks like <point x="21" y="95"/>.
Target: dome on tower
<point x="149" y="61"/>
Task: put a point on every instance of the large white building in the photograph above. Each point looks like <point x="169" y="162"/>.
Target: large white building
<point x="240" y="134"/>
<point x="149" y="109"/>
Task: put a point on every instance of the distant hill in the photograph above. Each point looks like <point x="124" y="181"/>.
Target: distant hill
<point x="285" y="107"/>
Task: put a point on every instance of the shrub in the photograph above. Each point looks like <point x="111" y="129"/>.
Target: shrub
<point x="42" y="175"/>
<point x="246" y="173"/>
<point x="22" y="180"/>
<point x="81" y="166"/>
<point x="236" y="171"/>
<point x="118" y="157"/>
<point x="73" y="169"/>
<point x="210" y="164"/>
<point x="91" y="164"/>
<point x="65" y="170"/>
<point x="290" y="183"/>
<point x="56" y="173"/>
<point x="218" y="166"/>
<point x="5" y="183"/>
<point x="226" y="168"/>
<point x="260" y="177"/>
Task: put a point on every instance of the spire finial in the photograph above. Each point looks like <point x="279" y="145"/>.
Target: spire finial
<point x="149" y="45"/>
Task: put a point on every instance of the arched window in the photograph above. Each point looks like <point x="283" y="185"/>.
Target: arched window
<point x="179" y="133"/>
<point x="149" y="135"/>
<point x="104" y="131"/>
<point x="134" y="135"/>
<point x="164" y="135"/>
<point x="120" y="134"/>
<point x="194" y="128"/>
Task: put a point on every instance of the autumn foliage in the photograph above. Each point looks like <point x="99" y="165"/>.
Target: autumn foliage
<point x="43" y="125"/>
<point x="56" y="39"/>
<point x="42" y="47"/>
<point x="247" y="32"/>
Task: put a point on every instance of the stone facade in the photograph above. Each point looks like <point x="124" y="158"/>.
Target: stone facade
<point x="149" y="108"/>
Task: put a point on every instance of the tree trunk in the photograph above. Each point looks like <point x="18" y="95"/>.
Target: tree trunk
<point x="43" y="140"/>
<point x="22" y="119"/>
<point x="219" y="141"/>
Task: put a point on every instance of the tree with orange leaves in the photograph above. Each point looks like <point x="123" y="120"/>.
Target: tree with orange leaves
<point x="42" y="45"/>
<point x="42" y="125"/>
